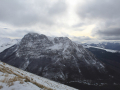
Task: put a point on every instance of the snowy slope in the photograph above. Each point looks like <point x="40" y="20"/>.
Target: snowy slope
<point x="7" y="42"/>
<point x="12" y="78"/>
<point x="13" y="82"/>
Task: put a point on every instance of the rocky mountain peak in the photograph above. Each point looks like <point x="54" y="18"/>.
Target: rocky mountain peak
<point x="61" y="40"/>
<point x="34" y="36"/>
<point x="32" y="44"/>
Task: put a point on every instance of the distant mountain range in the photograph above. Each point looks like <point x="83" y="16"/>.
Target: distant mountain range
<point x="61" y="60"/>
<point x="106" y="45"/>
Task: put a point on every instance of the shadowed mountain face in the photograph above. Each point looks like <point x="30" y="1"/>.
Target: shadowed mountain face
<point x="110" y="59"/>
<point x="59" y="59"/>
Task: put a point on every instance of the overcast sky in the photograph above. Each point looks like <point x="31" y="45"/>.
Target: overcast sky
<point x="77" y="19"/>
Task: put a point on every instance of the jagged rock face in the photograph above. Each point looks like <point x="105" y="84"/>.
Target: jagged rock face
<point x="60" y="59"/>
<point x="32" y="45"/>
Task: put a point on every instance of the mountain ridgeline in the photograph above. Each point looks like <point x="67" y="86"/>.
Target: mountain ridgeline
<point x="58" y="59"/>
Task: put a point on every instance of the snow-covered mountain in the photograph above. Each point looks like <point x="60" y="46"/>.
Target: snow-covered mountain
<point x="7" y="42"/>
<point x="12" y="78"/>
<point x="58" y="59"/>
<point x="108" y="50"/>
<point x="109" y="46"/>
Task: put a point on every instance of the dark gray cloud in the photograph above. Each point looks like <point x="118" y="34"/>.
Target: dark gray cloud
<point x="29" y="12"/>
<point x="98" y="9"/>
<point x="106" y="14"/>
<point x="5" y="28"/>
<point x="110" y="37"/>
<point x="108" y="34"/>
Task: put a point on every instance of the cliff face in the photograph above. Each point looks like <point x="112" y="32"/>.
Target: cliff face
<point x="59" y="59"/>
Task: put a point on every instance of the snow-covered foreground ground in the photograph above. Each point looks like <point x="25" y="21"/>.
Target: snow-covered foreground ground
<point x="12" y="78"/>
<point x="13" y="82"/>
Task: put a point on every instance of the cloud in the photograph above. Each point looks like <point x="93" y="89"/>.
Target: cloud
<point x="108" y="34"/>
<point x="98" y="9"/>
<point x="7" y="32"/>
<point x="58" y="8"/>
<point x="16" y="13"/>
<point x="105" y="15"/>
<point x="56" y="16"/>
<point x="30" y="12"/>
<point x="78" y="25"/>
<point x="80" y="38"/>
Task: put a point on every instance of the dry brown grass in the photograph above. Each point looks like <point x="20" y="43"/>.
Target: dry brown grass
<point x="11" y="81"/>
<point x="1" y="87"/>
<point x="28" y="79"/>
<point x="3" y="63"/>
<point x="2" y="70"/>
<point x="5" y="70"/>
<point x="41" y="86"/>
<point x="6" y="75"/>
